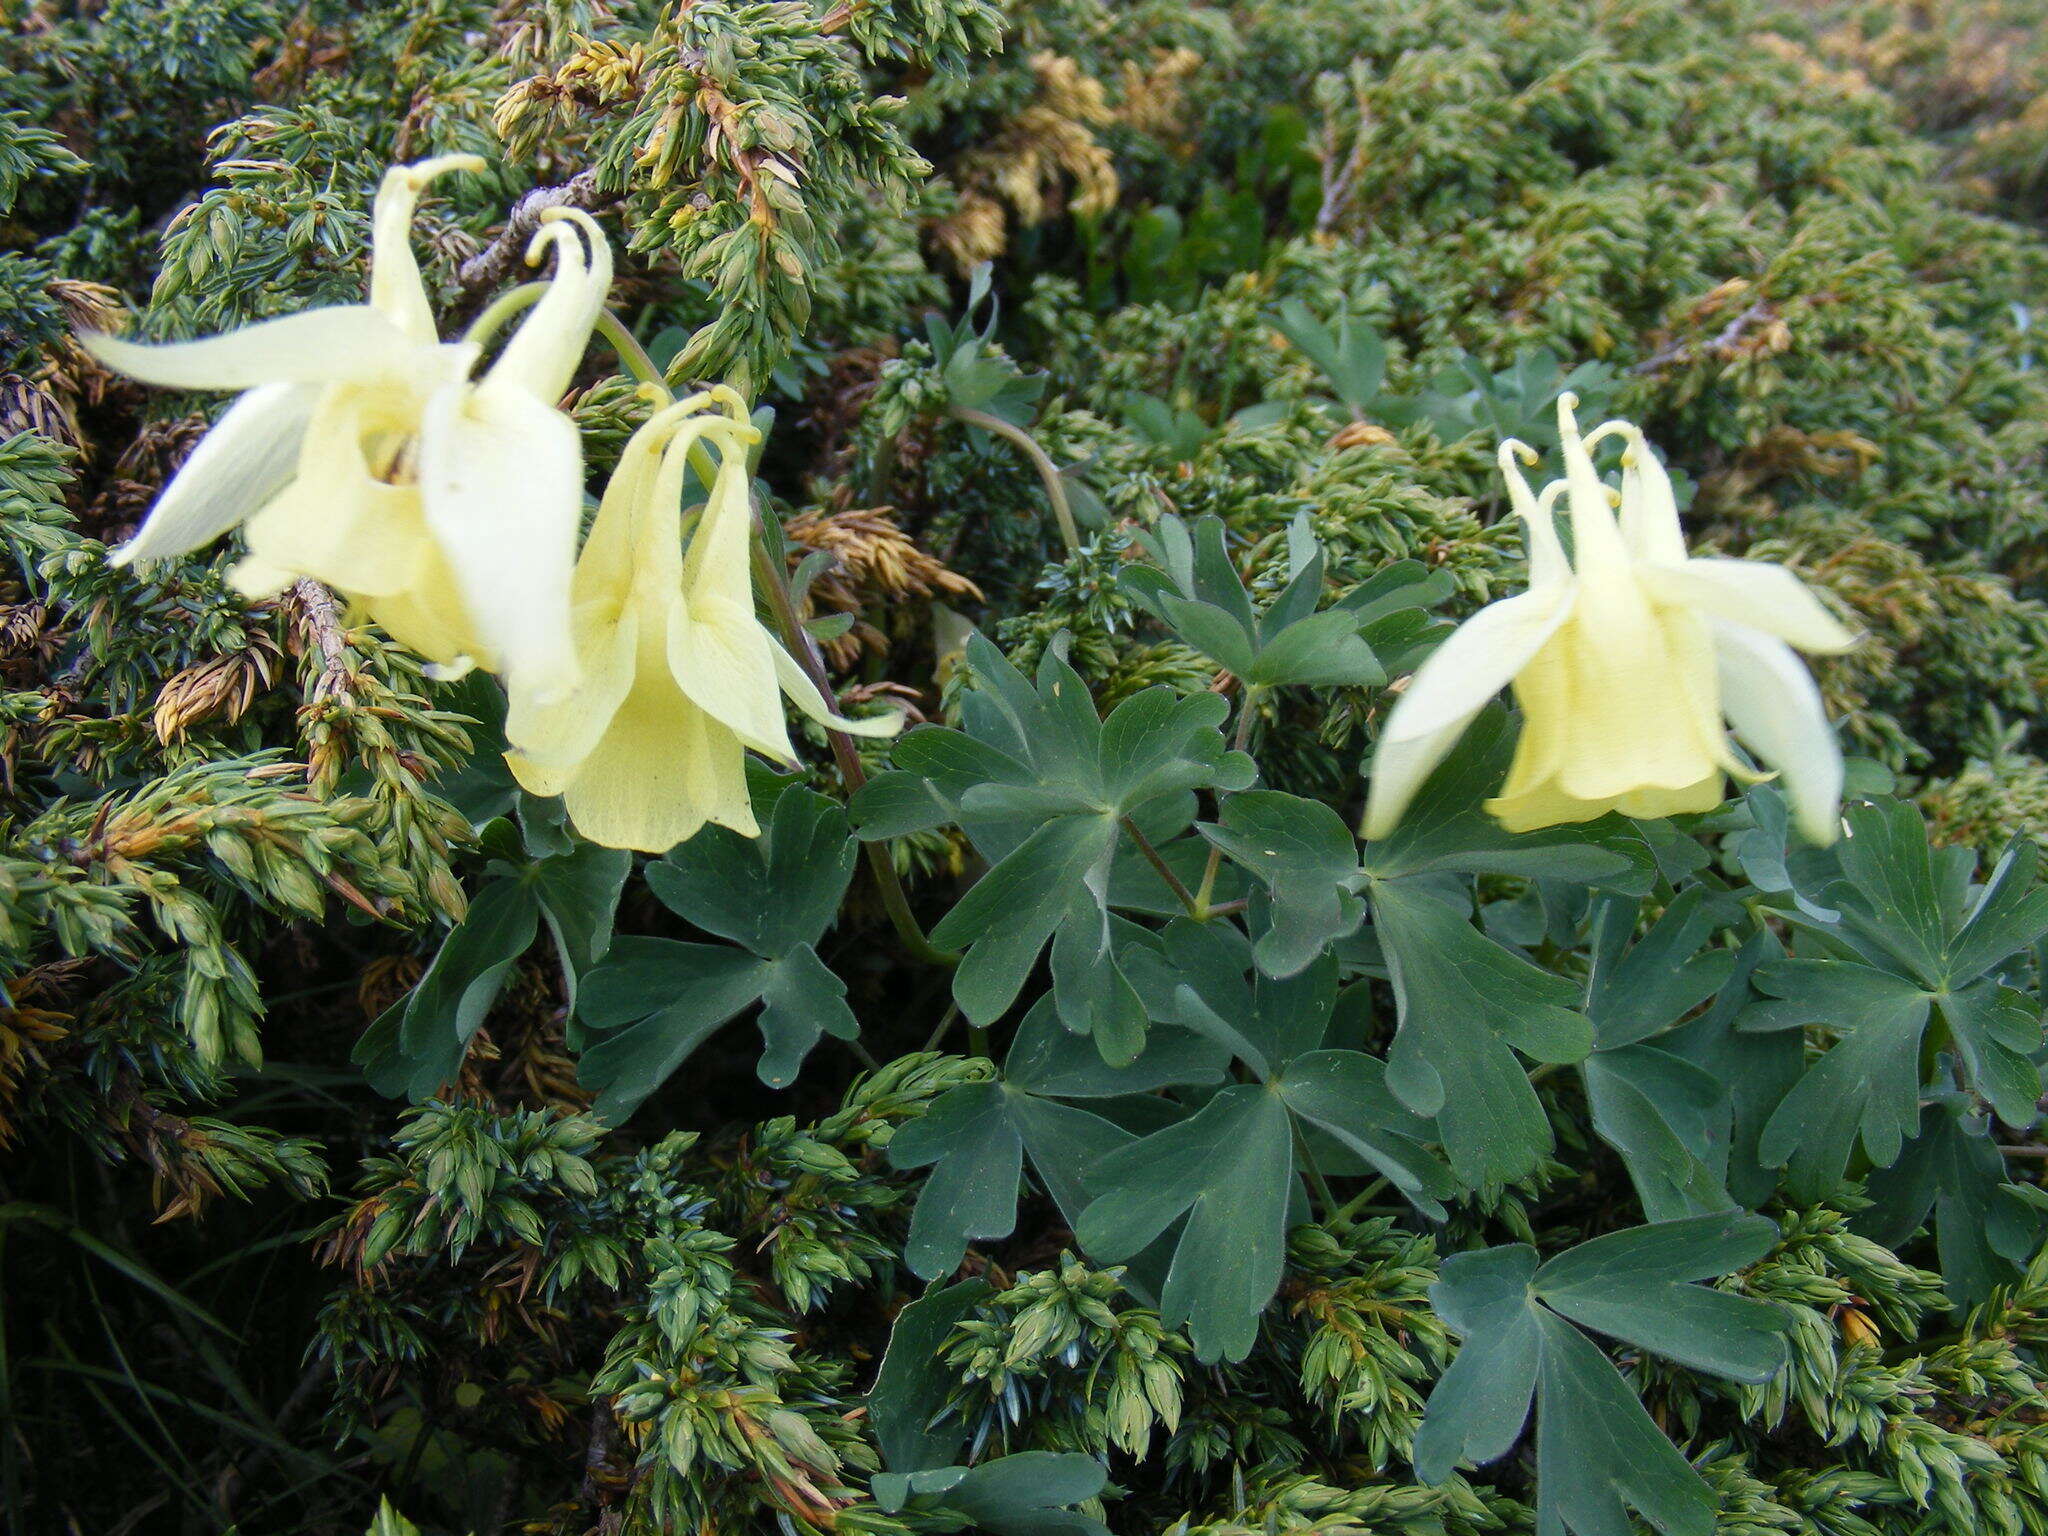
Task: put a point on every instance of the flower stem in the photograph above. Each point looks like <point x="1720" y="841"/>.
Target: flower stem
<point x="1048" y="472"/>
<point x="945" y="1023"/>
<point x="501" y="309"/>
<point x="1318" y="1185"/>
<point x="774" y="581"/>
<point x="506" y="305"/>
<point x="1174" y="882"/>
<point x="631" y="353"/>
<point x="1346" y="1216"/>
<point x="1247" y="701"/>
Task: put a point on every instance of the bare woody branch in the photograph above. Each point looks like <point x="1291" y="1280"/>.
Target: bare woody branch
<point x="505" y="255"/>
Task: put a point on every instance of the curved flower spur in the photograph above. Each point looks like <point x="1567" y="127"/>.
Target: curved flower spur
<point x="363" y="454"/>
<point x="1626" y="658"/>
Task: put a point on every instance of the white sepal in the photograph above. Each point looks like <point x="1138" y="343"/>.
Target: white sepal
<point x="248" y="457"/>
<point x="1775" y="707"/>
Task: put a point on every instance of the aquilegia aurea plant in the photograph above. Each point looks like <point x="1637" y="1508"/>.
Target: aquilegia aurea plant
<point x="1483" y="1183"/>
<point x="1626" y="657"/>
<point x="680" y="676"/>
<point x="363" y="454"/>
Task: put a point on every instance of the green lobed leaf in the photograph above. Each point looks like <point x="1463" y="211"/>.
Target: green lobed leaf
<point x="907" y="1404"/>
<point x="771" y="893"/>
<point x="977" y="1161"/>
<point x="1344" y="1093"/>
<point x="1952" y="1170"/>
<point x="1007" y="915"/>
<point x="1047" y="789"/>
<point x="1225" y="1173"/>
<point x="657" y="1000"/>
<point x="1637" y="990"/>
<point x="421" y="1046"/>
<point x="1865" y="1089"/>
<point x="1465" y="1006"/>
<point x="579" y="897"/>
<point x="1598" y="1453"/>
<point x="1196" y="976"/>
<point x="1308" y="861"/>
<point x="800" y="1000"/>
<point x="1905" y="906"/>
<point x="1195" y="590"/>
<point x="1030" y="1493"/>
<point x="1670" y="1120"/>
<point x="975" y="1137"/>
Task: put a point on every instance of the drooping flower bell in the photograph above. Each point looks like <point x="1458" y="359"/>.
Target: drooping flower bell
<point x="680" y="677"/>
<point x="1626" y="658"/>
<point x="364" y="455"/>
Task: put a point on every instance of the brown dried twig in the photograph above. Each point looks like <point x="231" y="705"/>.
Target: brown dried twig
<point x="1684" y="350"/>
<point x="323" y="618"/>
<point x="507" y="254"/>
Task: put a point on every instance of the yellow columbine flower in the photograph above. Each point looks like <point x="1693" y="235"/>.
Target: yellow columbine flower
<point x="364" y="455"/>
<point x="1625" y="659"/>
<point x="680" y="676"/>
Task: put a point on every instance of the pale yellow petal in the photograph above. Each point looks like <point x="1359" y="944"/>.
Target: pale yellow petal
<point x="1649" y="509"/>
<point x="661" y="771"/>
<point x="1690" y="644"/>
<point x="1400" y="768"/>
<point x="804" y="694"/>
<point x="1548" y="567"/>
<point x="634" y="531"/>
<point x="1692" y="799"/>
<point x="1478" y="660"/>
<point x="396" y="290"/>
<point x="345" y="341"/>
<point x="1596" y="540"/>
<point x="1539" y="805"/>
<point x="1535" y="795"/>
<point x="720" y="653"/>
<point x="722" y="657"/>
<point x="338" y="521"/>
<point x="1776" y="710"/>
<point x="550" y="740"/>
<point x="1754" y="593"/>
<point x="1450" y="688"/>
<point x="256" y="579"/>
<point x="1546" y="805"/>
<point x="719" y="559"/>
<point x="1626" y="700"/>
<point x="248" y="457"/>
<point x="501" y="478"/>
<point x="1543" y="689"/>
<point x="543" y="353"/>
<point x="431" y="617"/>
